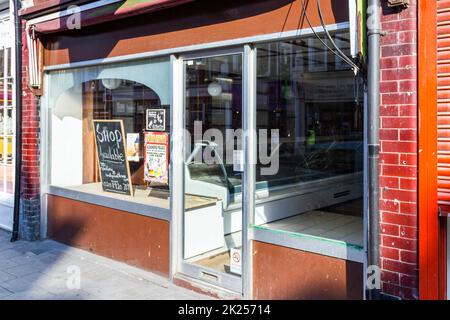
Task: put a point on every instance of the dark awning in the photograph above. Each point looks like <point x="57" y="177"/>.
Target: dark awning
<point x="110" y="12"/>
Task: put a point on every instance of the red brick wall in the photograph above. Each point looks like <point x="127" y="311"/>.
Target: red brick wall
<point x="30" y="182"/>
<point x="398" y="167"/>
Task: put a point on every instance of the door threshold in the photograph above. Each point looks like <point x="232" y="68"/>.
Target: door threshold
<point x="205" y="287"/>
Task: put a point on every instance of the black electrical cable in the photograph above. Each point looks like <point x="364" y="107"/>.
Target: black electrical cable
<point x="354" y="66"/>
<point x="344" y="56"/>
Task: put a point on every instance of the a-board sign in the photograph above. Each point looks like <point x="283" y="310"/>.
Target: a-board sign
<point x="111" y="155"/>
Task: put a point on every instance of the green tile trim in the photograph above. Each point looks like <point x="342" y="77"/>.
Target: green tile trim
<point x="302" y="235"/>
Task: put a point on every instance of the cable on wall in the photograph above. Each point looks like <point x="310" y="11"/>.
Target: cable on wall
<point x="337" y="53"/>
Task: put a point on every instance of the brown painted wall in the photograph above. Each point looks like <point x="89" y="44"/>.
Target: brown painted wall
<point x="284" y="273"/>
<point x="194" y="23"/>
<point x="136" y="240"/>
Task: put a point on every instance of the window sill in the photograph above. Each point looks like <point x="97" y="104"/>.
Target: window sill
<point x="139" y="204"/>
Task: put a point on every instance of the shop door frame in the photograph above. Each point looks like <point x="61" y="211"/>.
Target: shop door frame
<point x="235" y="284"/>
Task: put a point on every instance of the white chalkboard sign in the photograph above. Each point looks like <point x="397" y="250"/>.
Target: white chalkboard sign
<point x="112" y="158"/>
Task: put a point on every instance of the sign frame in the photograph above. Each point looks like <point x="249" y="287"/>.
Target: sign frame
<point x="122" y="129"/>
<point x="162" y="128"/>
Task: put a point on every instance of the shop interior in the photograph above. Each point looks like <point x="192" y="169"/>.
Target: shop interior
<point x="314" y="104"/>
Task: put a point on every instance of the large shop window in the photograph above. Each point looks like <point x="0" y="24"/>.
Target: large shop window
<point x="109" y="130"/>
<point x="309" y="176"/>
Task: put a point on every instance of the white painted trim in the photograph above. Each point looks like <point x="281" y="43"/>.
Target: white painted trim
<point x="176" y="165"/>
<point x="353" y="20"/>
<point x="365" y="192"/>
<point x="44" y="164"/>
<point x="249" y="181"/>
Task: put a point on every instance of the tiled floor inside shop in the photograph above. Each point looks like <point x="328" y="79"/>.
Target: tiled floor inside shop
<point x="342" y="222"/>
<point x="333" y="226"/>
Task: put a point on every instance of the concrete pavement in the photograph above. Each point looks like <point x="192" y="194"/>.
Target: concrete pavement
<point x="50" y="270"/>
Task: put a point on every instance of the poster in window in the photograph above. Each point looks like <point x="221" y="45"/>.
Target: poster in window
<point x="133" y="147"/>
<point x="156" y="120"/>
<point x="114" y="168"/>
<point x="157" y="158"/>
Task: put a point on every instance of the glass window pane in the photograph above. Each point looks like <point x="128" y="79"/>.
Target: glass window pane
<point x="309" y="178"/>
<point x="213" y="182"/>
<point x="3" y="172"/>
<point x="123" y="92"/>
<point x="6" y="113"/>
<point x="5" y="62"/>
<point x="213" y="104"/>
<point x="8" y="62"/>
<point x="9" y="94"/>
<point x="10" y="167"/>
<point x="2" y="63"/>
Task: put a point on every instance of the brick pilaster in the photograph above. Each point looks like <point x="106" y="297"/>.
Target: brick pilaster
<point x="30" y="182"/>
<point x="398" y="167"/>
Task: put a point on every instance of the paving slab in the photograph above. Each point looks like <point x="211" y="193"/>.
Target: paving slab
<point x="48" y="270"/>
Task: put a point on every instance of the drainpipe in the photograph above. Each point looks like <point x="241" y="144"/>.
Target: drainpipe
<point x="18" y="98"/>
<point x="373" y="88"/>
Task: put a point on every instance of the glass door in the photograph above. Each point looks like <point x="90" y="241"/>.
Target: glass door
<point x="213" y="169"/>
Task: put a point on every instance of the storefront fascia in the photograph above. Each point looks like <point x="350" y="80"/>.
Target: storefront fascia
<point x="169" y="214"/>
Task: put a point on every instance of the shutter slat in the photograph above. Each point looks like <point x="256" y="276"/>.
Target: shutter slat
<point x="443" y="116"/>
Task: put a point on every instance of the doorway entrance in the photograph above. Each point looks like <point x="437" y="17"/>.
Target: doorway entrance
<point x="212" y="216"/>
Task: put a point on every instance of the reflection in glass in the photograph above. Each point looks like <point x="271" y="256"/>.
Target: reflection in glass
<point x="213" y="102"/>
<point x="122" y="91"/>
<point x="111" y="99"/>
<point x="213" y="121"/>
<point x="126" y="101"/>
<point x="6" y="122"/>
<point x="312" y="101"/>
